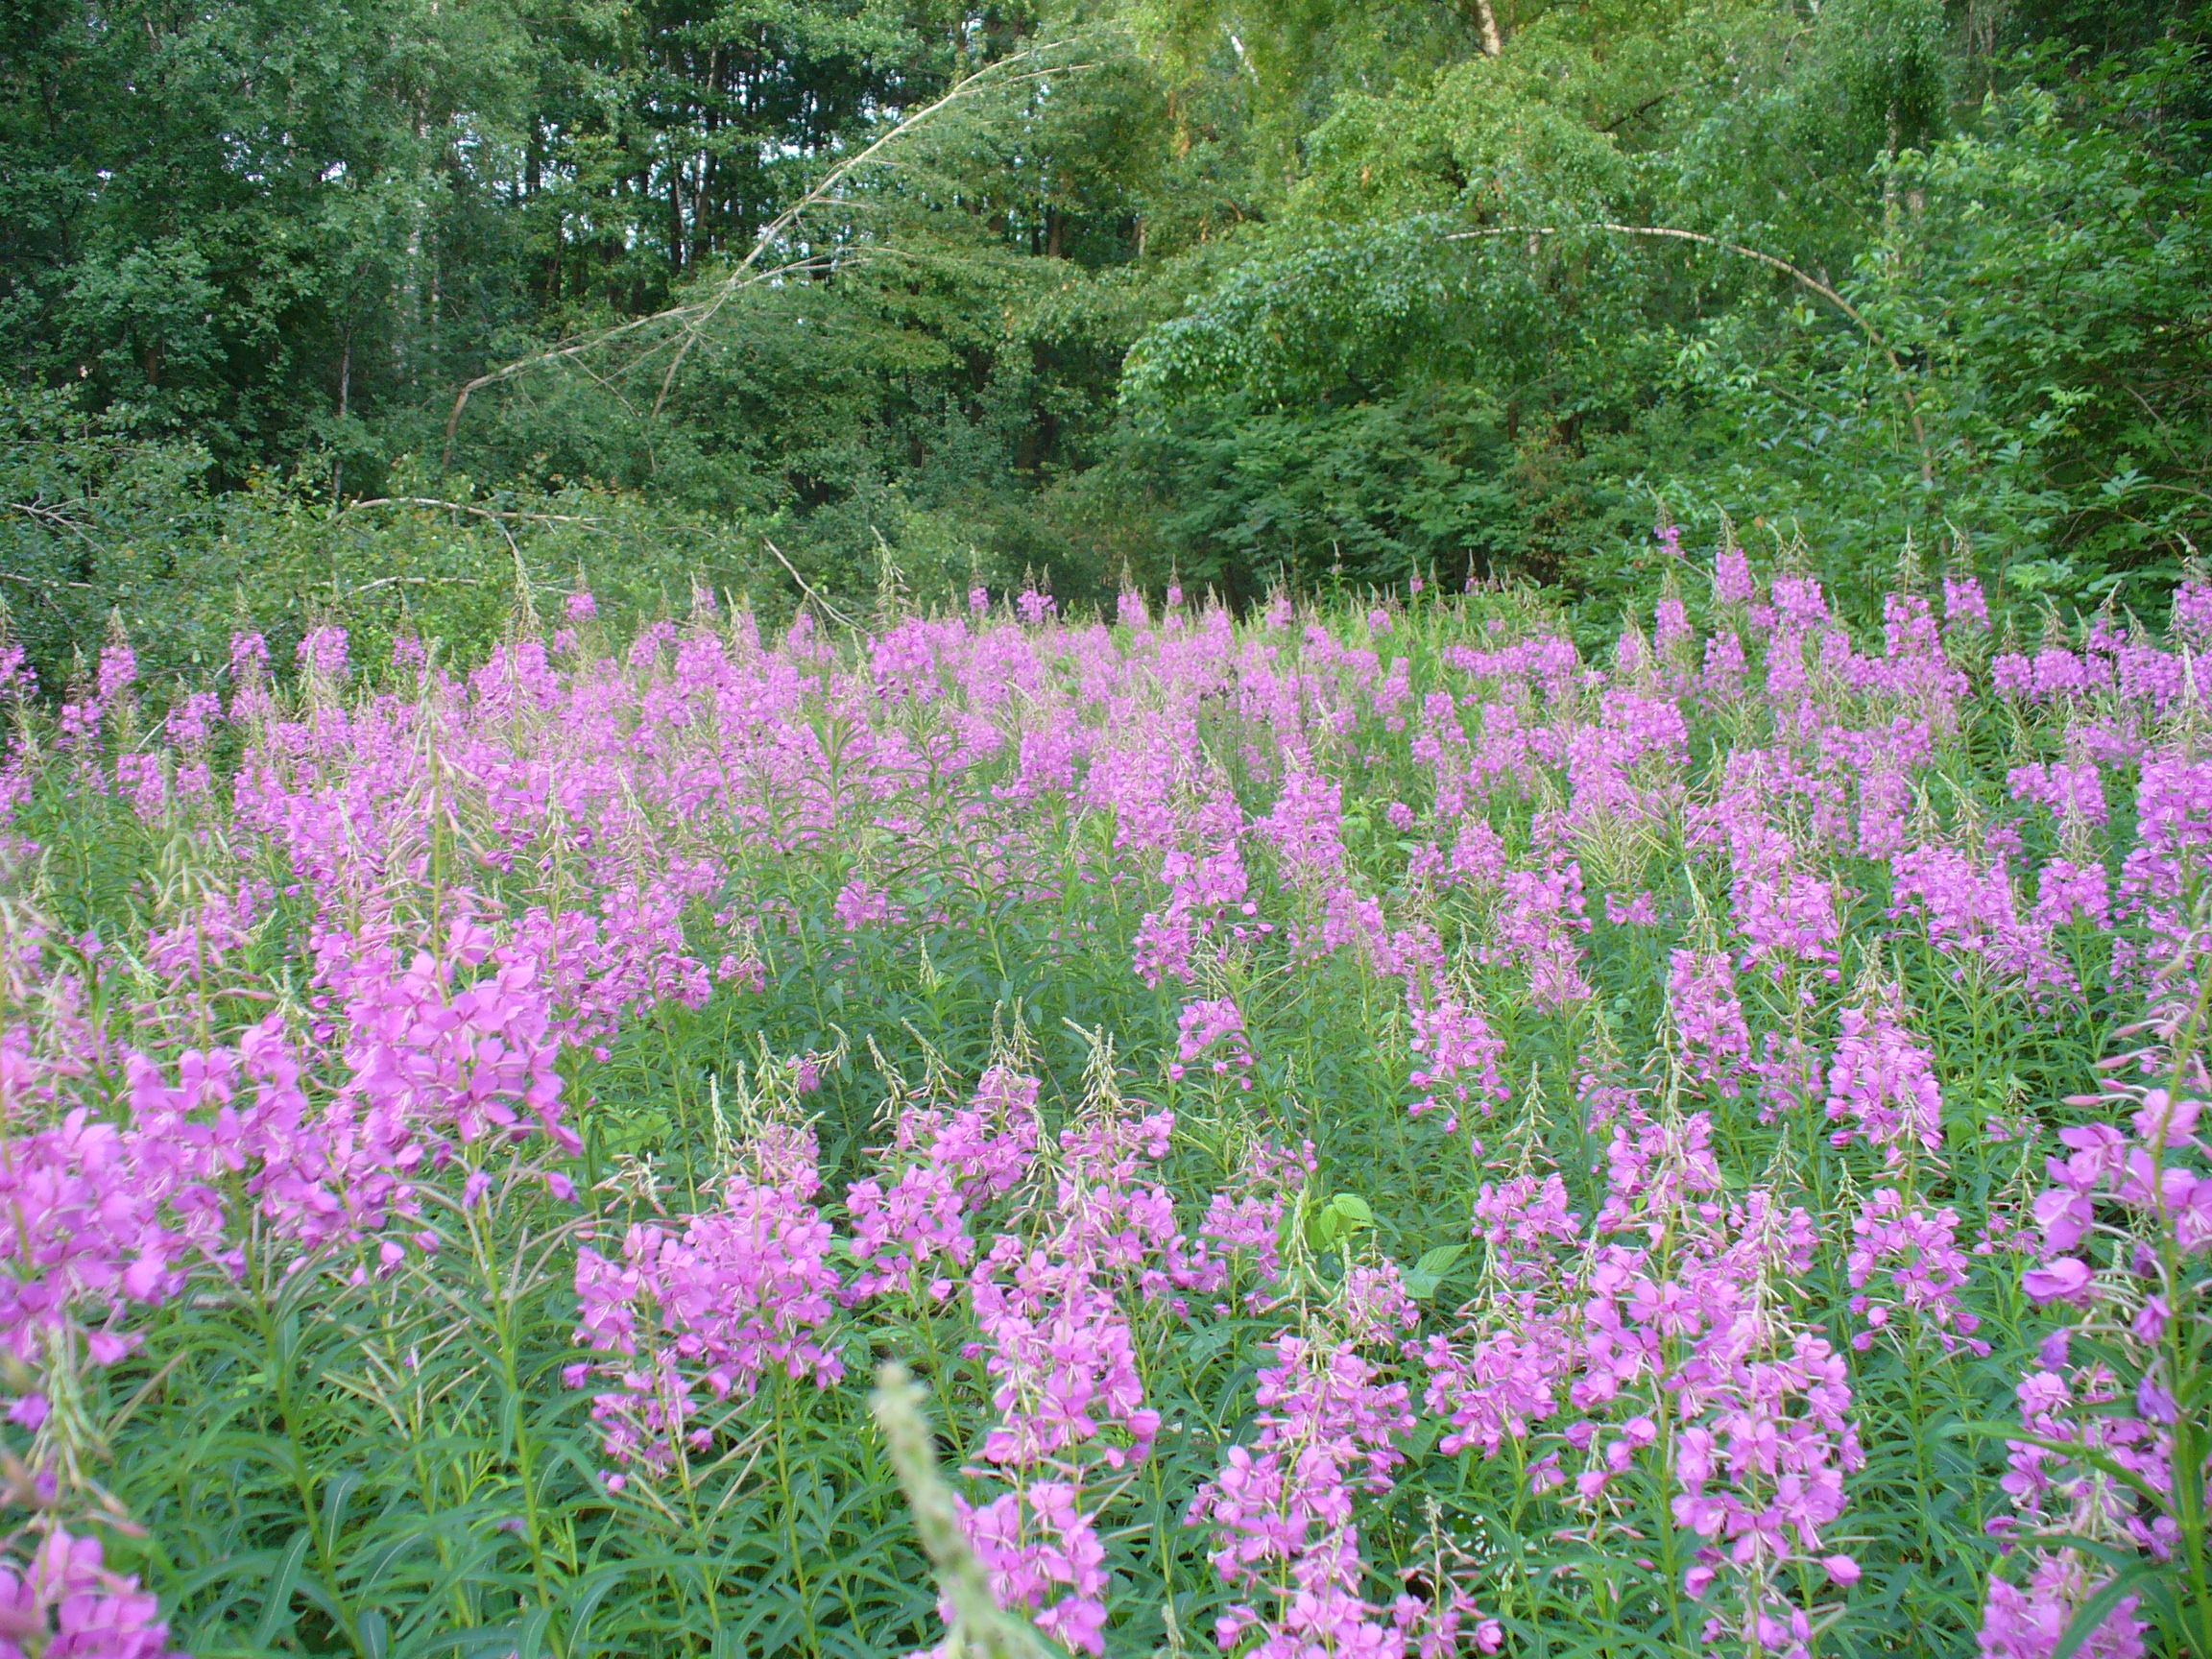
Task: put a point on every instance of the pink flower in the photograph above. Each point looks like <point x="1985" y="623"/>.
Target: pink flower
<point x="1216" y="1027"/>
<point x="1885" y="1084"/>
<point x="742" y="1290"/>
<point x="2063" y="1279"/>
<point x="2163" y="1118"/>
<point x="2031" y="1623"/>
<point x="1701" y="998"/>
<point x="64" y="1602"/>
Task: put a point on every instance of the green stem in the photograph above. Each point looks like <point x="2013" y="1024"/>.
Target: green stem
<point x="790" y="1508"/>
<point x="280" y="1369"/>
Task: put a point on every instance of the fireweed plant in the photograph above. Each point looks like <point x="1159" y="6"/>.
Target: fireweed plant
<point x="1375" y="1133"/>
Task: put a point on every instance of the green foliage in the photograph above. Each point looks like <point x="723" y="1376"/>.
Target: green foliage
<point x="2044" y="280"/>
<point x="239" y="224"/>
<point x="1875" y="325"/>
<point x="102" y="529"/>
<point x="1181" y="294"/>
<point x="2067" y="271"/>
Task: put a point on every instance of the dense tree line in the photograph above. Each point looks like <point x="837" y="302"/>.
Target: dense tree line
<point x="1246" y="290"/>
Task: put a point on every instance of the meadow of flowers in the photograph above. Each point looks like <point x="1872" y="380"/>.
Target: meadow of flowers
<point x="1375" y="1132"/>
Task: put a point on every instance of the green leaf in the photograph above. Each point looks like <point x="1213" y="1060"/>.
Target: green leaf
<point x="276" y="1602"/>
<point x="1423" y="1278"/>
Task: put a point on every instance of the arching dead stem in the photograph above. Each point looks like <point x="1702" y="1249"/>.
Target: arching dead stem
<point x="1803" y="278"/>
<point x="693" y="317"/>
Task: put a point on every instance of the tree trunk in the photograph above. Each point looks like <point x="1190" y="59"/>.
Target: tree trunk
<point x="1486" y="19"/>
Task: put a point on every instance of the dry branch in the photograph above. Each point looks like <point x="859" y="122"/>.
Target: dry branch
<point x="693" y="315"/>
<point x="1805" y="279"/>
<point x="809" y="588"/>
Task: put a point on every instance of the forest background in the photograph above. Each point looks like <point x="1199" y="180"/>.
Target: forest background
<point x="1229" y="292"/>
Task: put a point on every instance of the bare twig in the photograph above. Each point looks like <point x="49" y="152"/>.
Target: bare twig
<point x="468" y="507"/>
<point x="807" y="586"/>
<point x="408" y="582"/>
<point x="989" y="73"/>
<point x="1649" y="104"/>
<point x="592" y="342"/>
<point x="46" y="582"/>
<point x="693" y="315"/>
<point x="46" y="515"/>
<point x="53" y="519"/>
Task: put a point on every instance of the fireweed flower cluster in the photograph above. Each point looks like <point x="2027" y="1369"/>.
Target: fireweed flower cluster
<point x="117" y="1215"/>
<point x="1210" y="1032"/>
<point x="222" y="1146"/>
<point x="1904" y="1260"/>
<point x="64" y="1602"/>
<point x="911" y="1231"/>
<point x="1067" y="1390"/>
<point x="2113" y="1463"/>
<point x="1056" y="1303"/>
<point x="1457" y="1055"/>
<point x="1882" y="1086"/>
<point x="1649" y="1356"/>
<point x="1709" y="1018"/>
<point x="1283" y="1508"/>
<point x="742" y="1291"/>
<point x="1585" y="921"/>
